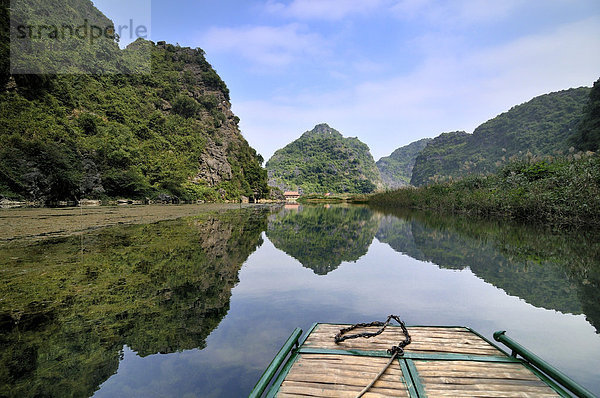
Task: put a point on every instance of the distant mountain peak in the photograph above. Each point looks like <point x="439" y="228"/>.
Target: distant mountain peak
<point x="323" y="129"/>
<point x="322" y="160"/>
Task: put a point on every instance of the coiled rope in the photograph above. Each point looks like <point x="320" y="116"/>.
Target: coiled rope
<point x="395" y="351"/>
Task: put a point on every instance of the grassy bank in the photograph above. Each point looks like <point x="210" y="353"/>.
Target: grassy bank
<point x="334" y="198"/>
<point x="561" y="190"/>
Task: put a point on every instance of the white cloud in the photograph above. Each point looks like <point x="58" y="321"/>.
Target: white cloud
<point x="456" y="11"/>
<point x="465" y="91"/>
<point x="560" y="58"/>
<point x="323" y="9"/>
<point x="450" y="90"/>
<point x="431" y="10"/>
<point x="265" y="45"/>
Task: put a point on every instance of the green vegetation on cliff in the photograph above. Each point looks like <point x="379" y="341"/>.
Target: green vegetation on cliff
<point x="564" y="190"/>
<point x="587" y="137"/>
<point x="136" y="135"/>
<point x="322" y="160"/>
<point x="396" y="169"/>
<point x="542" y="126"/>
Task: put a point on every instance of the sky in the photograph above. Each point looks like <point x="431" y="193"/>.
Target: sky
<point x="389" y="72"/>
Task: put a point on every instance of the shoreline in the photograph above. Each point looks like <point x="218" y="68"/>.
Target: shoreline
<point x="34" y="224"/>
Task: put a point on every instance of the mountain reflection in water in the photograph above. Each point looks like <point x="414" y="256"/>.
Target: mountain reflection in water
<point x="88" y="314"/>
<point x="551" y="270"/>
<point x="558" y="271"/>
<point x="322" y="237"/>
<point x="70" y="305"/>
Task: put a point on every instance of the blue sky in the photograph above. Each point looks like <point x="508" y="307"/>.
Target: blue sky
<point x="386" y="71"/>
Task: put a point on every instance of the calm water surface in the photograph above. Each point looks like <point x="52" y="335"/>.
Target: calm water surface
<point x="197" y="307"/>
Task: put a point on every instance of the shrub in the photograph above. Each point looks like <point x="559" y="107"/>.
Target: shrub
<point x="186" y="106"/>
<point x="88" y="123"/>
<point x="559" y="191"/>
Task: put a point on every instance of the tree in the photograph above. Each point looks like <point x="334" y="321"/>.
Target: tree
<point x="587" y="137"/>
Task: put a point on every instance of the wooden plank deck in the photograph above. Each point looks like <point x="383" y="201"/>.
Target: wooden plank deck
<point x="439" y="362"/>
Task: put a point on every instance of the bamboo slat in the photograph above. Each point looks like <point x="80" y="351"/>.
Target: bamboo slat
<point x="453" y="379"/>
<point x="339" y="375"/>
<point x="335" y="390"/>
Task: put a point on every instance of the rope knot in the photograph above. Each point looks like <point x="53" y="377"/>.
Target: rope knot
<point x="396" y="350"/>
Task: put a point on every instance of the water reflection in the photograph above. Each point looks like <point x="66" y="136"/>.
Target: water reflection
<point x="70" y="305"/>
<point x="73" y="311"/>
<point x="548" y="269"/>
<point x="558" y="271"/>
<point x="322" y="237"/>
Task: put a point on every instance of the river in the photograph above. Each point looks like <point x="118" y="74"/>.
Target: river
<point x="198" y="306"/>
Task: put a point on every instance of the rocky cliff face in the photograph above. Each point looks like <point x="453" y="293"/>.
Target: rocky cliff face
<point x="168" y="133"/>
<point x="214" y="166"/>
<point x="322" y="160"/>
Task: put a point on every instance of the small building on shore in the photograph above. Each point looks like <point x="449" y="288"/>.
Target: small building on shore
<point x="291" y="196"/>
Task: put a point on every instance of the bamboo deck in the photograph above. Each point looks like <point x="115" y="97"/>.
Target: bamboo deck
<point x="440" y="362"/>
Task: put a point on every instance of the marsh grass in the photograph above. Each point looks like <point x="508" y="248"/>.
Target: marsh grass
<point x="563" y="191"/>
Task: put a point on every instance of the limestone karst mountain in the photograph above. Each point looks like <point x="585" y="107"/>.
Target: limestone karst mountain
<point x="322" y="160"/>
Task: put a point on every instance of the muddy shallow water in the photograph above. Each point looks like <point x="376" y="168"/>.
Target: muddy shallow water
<point x="39" y="223"/>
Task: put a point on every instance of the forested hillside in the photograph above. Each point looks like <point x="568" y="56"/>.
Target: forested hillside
<point x="322" y="160"/>
<point x="541" y="126"/>
<point x="396" y="169"/>
<point x="119" y="132"/>
<point x="587" y="137"/>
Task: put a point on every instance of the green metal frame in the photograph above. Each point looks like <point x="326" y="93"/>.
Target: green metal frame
<point x="414" y="375"/>
<point x="410" y="373"/>
<point x="282" y="375"/>
<point x="412" y="355"/>
<point x="541" y="365"/>
<point x="551" y="383"/>
<point x="407" y="378"/>
<point x="271" y="370"/>
<point x="556" y="387"/>
<point x="308" y="333"/>
<point x="286" y="369"/>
